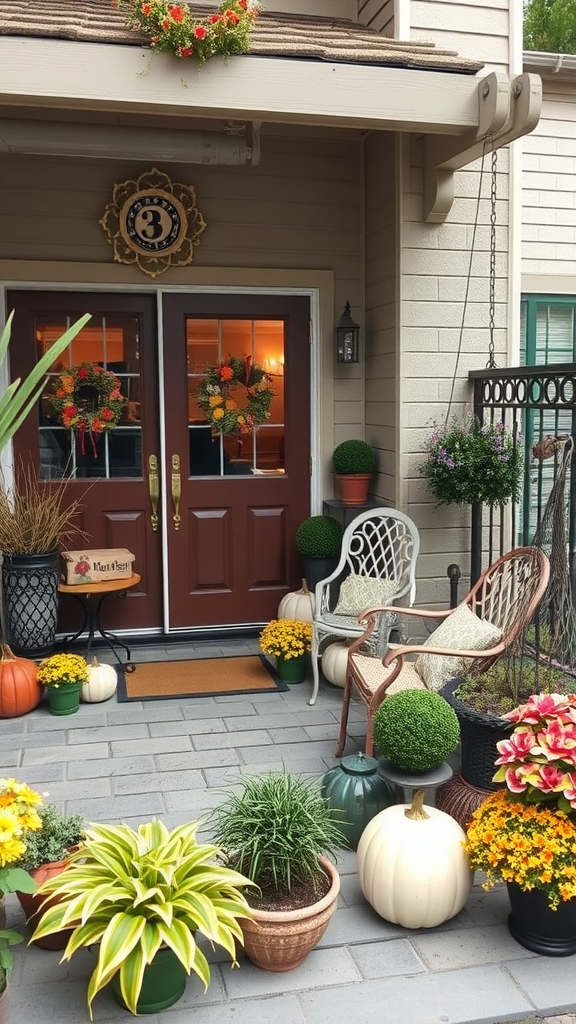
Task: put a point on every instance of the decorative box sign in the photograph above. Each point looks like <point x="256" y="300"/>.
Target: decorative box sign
<point x="153" y="222"/>
<point x="97" y="565"/>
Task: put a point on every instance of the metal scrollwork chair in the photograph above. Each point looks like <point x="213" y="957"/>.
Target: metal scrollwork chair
<point x="377" y="566"/>
<point x="486" y="623"/>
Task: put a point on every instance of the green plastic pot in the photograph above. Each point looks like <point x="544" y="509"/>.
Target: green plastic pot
<point x="64" y="700"/>
<point x="291" y="670"/>
<point x="163" y="984"/>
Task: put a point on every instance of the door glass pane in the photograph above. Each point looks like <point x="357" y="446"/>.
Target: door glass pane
<point x="251" y="452"/>
<point x="111" y="342"/>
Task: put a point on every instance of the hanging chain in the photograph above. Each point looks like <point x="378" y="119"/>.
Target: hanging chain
<point x="491" y="364"/>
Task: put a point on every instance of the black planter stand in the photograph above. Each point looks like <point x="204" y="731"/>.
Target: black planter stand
<point x="30" y="596"/>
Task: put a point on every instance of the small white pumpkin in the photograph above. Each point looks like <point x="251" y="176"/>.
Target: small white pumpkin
<point x="297" y="605"/>
<point x="334" y="663"/>
<point x="101" y="684"/>
<point x="412" y="866"/>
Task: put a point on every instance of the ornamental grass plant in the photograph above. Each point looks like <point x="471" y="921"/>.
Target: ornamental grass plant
<point x="286" y="638"/>
<point x="34" y="518"/>
<point x="526" y="833"/>
<point x="469" y="462"/>
<point x="274" y="829"/>
<point x="62" y="670"/>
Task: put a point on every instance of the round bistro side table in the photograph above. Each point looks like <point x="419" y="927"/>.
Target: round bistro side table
<point x="92" y="596"/>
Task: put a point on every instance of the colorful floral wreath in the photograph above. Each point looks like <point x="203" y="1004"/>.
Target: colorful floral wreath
<point x="220" y="408"/>
<point x="172" y="27"/>
<point x="66" y="400"/>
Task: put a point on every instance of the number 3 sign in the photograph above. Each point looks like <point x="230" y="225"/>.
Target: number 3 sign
<point x="153" y="222"/>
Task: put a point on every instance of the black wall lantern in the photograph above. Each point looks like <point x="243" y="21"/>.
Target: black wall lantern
<point x="347" y="334"/>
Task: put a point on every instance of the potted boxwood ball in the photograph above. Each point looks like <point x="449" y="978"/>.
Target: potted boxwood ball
<point x="318" y="541"/>
<point x="416" y="730"/>
<point x="354" y="464"/>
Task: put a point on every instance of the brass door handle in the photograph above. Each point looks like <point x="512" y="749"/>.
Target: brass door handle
<point x="154" y="489"/>
<point x="176" y="490"/>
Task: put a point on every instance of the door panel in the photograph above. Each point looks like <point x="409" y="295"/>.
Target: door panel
<point x="231" y="554"/>
<point x="242" y="497"/>
<point x="112" y="483"/>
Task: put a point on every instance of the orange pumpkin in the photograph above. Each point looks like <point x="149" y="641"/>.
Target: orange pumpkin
<point x="20" y="690"/>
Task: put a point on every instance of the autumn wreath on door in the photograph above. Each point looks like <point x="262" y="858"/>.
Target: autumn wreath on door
<point x="219" y="396"/>
<point x="87" y="399"/>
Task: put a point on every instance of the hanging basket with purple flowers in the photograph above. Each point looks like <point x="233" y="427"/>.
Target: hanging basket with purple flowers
<point x="470" y="462"/>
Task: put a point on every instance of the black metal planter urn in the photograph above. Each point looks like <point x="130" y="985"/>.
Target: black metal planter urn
<point x="30" y="597"/>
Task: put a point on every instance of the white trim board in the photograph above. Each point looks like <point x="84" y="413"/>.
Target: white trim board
<point x="64" y="74"/>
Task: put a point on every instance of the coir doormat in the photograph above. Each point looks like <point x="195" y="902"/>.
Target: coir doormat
<point x="206" y="677"/>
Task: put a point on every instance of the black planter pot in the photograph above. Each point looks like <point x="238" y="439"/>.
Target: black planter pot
<point x="316" y="569"/>
<point x="30" y="595"/>
<point x="479" y="734"/>
<point x="538" y="928"/>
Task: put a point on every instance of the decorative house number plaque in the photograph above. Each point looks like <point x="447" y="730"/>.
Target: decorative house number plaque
<point x="153" y="222"/>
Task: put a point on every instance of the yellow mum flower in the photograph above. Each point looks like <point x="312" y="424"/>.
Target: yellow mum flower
<point x="218" y="414"/>
<point x="215" y="400"/>
<point x="12" y="849"/>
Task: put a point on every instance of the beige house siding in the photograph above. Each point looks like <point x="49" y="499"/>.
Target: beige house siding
<point x="434" y="264"/>
<point x="434" y="260"/>
<point x="549" y="187"/>
<point x="474" y="27"/>
<point x="298" y="210"/>
<point x="381" y="309"/>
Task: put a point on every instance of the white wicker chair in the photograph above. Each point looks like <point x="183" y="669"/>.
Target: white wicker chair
<point x="382" y="544"/>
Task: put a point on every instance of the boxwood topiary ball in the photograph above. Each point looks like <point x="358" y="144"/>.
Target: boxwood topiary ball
<point x="415" y="730"/>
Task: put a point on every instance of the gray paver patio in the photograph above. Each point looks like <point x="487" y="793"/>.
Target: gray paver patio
<point x="168" y="758"/>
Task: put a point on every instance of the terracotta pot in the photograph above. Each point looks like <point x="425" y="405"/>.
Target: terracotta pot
<point x="281" y="940"/>
<point x="31" y="902"/>
<point x="353" y="487"/>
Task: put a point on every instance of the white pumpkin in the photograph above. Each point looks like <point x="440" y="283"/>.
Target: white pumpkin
<point x="412" y="867"/>
<point x="102" y="683"/>
<point x="297" y="605"/>
<point x="334" y="663"/>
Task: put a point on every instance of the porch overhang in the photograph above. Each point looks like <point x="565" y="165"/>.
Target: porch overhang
<point x="456" y="112"/>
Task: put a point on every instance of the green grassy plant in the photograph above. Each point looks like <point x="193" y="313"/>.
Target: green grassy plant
<point x="275" y="829"/>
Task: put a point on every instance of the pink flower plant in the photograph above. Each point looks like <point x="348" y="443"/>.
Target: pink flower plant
<point x="538" y="761"/>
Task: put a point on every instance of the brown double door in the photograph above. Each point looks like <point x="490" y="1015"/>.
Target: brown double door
<point x="215" y="547"/>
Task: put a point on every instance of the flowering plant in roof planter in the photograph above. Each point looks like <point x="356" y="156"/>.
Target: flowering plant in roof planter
<point x="173" y="28"/>
<point x="525" y="834"/>
<point x="469" y="463"/>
